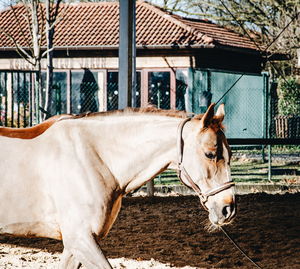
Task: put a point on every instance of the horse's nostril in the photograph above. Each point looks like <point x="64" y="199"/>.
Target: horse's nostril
<point x="226" y="211"/>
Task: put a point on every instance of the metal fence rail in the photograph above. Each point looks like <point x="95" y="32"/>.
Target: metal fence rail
<point x="17" y="98"/>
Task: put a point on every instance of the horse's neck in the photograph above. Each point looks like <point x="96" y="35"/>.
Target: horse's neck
<point x="136" y="150"/>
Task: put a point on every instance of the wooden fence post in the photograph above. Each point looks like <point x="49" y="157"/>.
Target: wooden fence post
<point x="150" y="188"/>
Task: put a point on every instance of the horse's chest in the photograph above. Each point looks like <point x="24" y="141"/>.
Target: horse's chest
<point x="110" y="216"/>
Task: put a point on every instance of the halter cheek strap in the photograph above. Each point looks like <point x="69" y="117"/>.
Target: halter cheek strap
<point x="182" y="171"/>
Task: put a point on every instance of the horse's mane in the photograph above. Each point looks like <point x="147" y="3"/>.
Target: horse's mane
<point x="136" y="111"/>
<point x="215" y="123"/>
<point x="32" y="132"/>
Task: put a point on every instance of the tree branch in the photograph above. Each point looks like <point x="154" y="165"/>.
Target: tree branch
<point x="22" y="52"/>
<point x="46" y="51"/>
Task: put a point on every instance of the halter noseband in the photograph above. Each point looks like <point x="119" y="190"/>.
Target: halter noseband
<point x="182" y="171"/>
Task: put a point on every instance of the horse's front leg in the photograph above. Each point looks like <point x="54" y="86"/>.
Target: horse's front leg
<point x="80" y="241"/>
<point x="68" y="261"/>
<point x="85" y="248"/>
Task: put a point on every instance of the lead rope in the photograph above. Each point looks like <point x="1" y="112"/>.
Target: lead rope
<point x="238" y="247"/>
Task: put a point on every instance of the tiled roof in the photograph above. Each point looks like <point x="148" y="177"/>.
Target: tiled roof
<point x="97" y="24"/>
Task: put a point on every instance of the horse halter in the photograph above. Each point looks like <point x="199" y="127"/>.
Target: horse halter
<point x="182" y="171"/>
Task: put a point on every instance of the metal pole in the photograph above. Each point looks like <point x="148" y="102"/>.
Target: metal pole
<point x="25" y="85"/>
<point x="127" y="48"/>
<point x="18" y="99"/>
<point x="268" y="123"/>
<point x="12" y="100"/>
<point x="6" y="96"/>
<point x="270" y="163"/>
<point x="31" y="98"/>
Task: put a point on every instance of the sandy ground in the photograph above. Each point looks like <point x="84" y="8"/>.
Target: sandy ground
<point x="168" y="232"/>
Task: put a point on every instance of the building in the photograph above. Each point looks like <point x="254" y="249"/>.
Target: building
<point x="174" y="56"/>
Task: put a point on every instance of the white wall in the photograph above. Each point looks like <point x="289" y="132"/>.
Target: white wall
<point x="99" y="63"/>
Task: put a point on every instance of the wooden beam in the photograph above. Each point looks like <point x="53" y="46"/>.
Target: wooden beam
<point x="264" y="141"/>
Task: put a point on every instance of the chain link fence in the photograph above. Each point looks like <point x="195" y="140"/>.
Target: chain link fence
<point x="284" y="125"/>
<point x="251" y="105"/>
<point x="16" y="98"/>
<point x="246" y="103"/>
<point x="113" y="90"/>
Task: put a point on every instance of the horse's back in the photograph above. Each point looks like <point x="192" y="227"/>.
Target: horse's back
<point x="31" y="132"/>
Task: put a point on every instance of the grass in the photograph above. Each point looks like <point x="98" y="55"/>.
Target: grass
<point x="257" y="172"/>
<point x="283" y="149"/>
<point x="254" y="170"/>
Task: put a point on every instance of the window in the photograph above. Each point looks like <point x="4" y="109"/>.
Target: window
<point x="159" y="89"/>
<point x="84" y="89"/>
<point x="113" y="91"/>
<point x="181" y="89"/>
<point x="59" y="93"/>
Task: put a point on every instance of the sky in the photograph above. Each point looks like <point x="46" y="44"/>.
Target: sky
<point x="5" y="3"/>
<point x="2" y="4"/>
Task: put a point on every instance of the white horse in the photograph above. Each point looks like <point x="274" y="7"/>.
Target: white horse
<point x="67" y="182"/>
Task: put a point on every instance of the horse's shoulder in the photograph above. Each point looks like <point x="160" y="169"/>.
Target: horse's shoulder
<point x="31" y="132"/>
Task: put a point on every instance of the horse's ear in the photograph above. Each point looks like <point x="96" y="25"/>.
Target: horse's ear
<point x="208" y="116"/>
<point x="220" y="112"/>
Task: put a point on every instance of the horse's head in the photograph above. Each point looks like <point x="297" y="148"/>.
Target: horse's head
<point x="204" y="164"/>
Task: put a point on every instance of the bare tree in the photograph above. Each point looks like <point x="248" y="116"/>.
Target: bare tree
<point x="33" y="35"/>
<point x="52" y="17"/>
<point x="40" y="20"/>
<point x="272" y="24"/>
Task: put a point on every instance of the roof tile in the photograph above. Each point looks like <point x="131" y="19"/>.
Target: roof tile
<point x="97" y="24"/>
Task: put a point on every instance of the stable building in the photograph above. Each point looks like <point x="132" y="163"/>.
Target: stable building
<point x="181" y="63"/>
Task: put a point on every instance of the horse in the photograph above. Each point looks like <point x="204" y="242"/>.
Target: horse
<point x="68" y="181"/>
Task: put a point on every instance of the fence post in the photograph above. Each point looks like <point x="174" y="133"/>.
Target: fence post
<point x="10" y="97"/>
<point x="150" y="188"/>
<point x="6" y="96"/>
<point x="269" y="163"/>
<point x="269" y="118"/>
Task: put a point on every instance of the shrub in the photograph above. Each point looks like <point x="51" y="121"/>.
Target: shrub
<point x="289" y="97"/>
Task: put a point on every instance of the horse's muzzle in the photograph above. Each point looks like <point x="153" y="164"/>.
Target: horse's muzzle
<point x="220" y="215"/>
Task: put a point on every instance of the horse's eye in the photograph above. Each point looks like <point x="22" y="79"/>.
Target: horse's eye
<point x="210" y="155"/>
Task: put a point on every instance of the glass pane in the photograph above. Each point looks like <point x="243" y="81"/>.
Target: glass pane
<point x="20" y="98"/>
<point x="20" y="87"/>
<point x="181" y="89"/>
<point x="84" y="91"/>
<point x="112" y="90"/>
<point x="3" y="99"/>
<point x="59" y="93"/>
<point x="159" y="89"/>
<point x="138" y="89"/>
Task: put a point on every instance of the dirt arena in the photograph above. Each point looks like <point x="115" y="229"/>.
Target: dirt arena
<point x="167" y="232"/>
